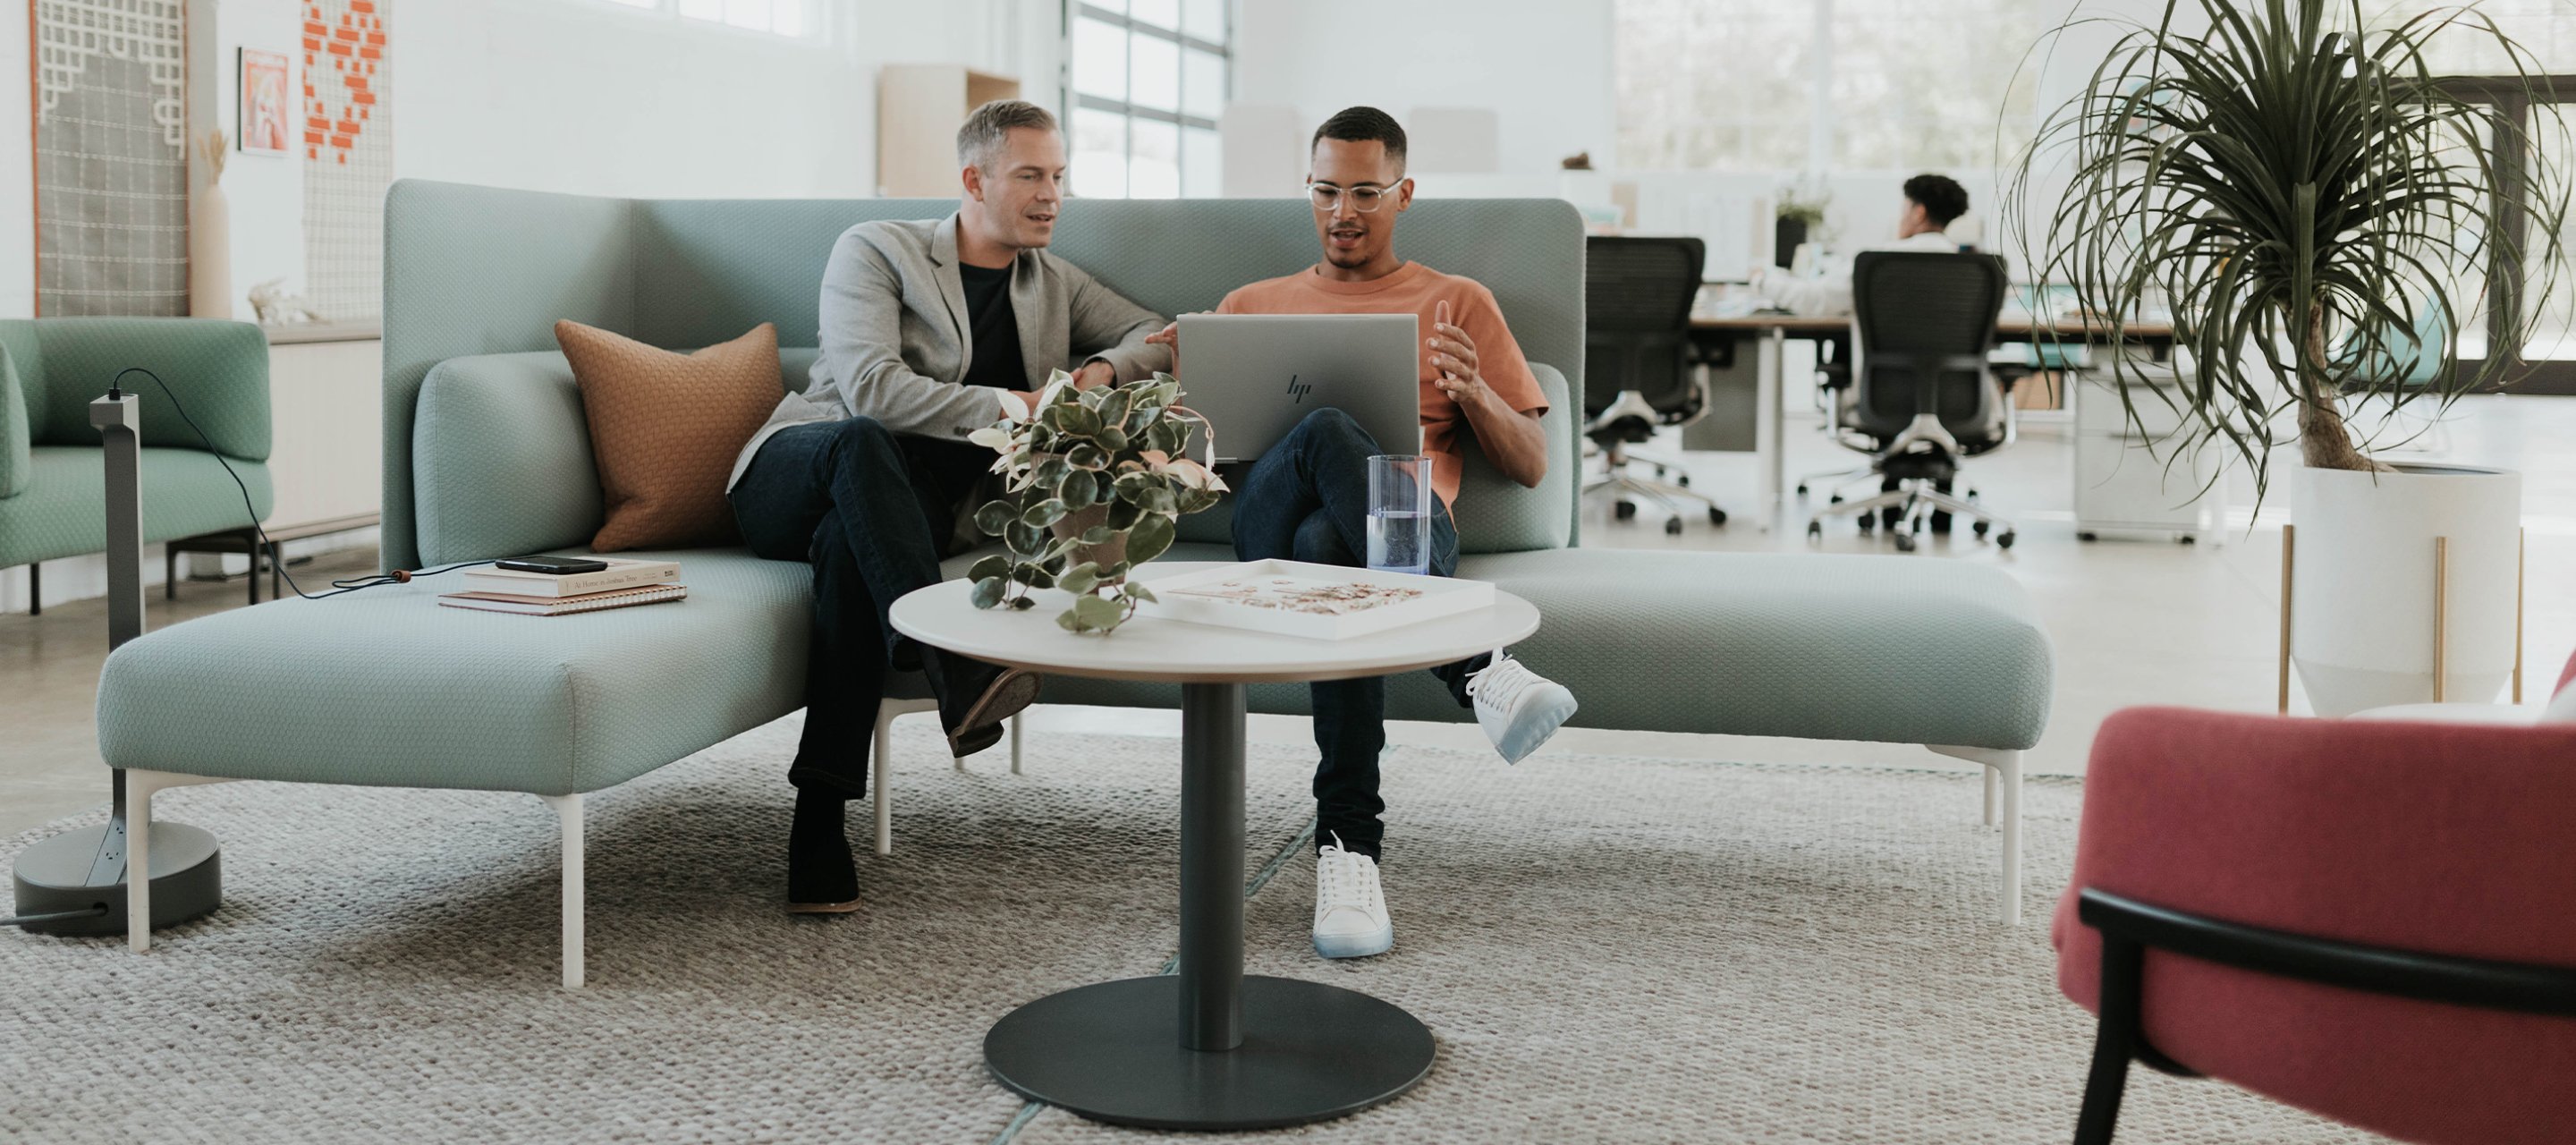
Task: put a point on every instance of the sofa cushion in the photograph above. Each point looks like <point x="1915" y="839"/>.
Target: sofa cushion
<point x="385" y="688"/>
<point x="665" y="428"/>
<point x="1885" y="649"/>
<point x="61" y="511"/>
<point x="501" y="461"/>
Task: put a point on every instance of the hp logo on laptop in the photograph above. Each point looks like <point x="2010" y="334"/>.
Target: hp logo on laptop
<point x="1297" y="392"/>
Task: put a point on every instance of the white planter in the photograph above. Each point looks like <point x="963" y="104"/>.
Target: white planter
<point x="210" y="254"/>
<point x="2362" y="613"/>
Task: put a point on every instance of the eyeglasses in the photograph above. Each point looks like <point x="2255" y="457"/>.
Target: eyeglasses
<point x="1363" y="199"/>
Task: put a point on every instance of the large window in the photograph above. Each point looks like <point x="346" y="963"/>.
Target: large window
<point x="1848" y="85"/>
<point x="1148" y="80"/>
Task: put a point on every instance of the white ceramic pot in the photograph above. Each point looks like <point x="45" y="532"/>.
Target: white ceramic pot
<point x="2362" y="614"/>
<point x="210" y="254"/>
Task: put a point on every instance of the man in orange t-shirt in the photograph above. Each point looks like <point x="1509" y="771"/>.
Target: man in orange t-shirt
<point x="1306" y="498"/>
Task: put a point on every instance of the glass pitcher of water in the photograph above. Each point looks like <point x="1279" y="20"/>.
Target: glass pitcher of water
<point x="1399" y="516"/>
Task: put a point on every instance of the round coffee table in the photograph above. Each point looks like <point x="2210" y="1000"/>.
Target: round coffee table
<point x="1208" y="1048"/>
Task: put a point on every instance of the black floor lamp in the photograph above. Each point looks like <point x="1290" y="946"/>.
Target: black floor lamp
<point x="74" y="883"/>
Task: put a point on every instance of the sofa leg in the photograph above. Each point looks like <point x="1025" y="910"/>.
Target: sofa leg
<point x="139" y="787"/>
<point x="35" y="588"/>
<point x="568" y="811"/>
<point x="878" y="774"/>
<point x="2003" y="767"/>
<point x="1015" y="745"/>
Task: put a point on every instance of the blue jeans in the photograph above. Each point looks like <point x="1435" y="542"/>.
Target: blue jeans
<point x="1307" y="500"/>
<point x="870" y="511"/>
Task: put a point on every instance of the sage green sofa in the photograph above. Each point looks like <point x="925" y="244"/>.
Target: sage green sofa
<point x="53" y="484"/>
<point x="486" y="455"/>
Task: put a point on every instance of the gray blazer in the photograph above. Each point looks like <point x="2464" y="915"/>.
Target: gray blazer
<point x="896" y="342"/>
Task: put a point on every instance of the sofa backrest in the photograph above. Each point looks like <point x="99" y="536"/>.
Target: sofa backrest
<point x="219" y="369"/>
<point x="479" y="270"/>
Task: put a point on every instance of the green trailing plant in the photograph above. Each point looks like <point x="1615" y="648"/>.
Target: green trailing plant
<point x="2300" y="191"/>
<point x="1804" y="202"/>
<point x="1095" y="481"/>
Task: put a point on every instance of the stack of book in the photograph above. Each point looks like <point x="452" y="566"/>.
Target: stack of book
<point x="621" y="584"/>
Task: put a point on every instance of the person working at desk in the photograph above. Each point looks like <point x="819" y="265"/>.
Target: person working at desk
<point x="1306" y="498"/>
<point x="1932" y="203"/>
<point x="930" y="330"/>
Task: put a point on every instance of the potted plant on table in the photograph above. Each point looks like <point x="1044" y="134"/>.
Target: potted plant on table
<point x="2308" y="199"/>
<point x="1801" y="212"/>
<point x="1094" y="483"/>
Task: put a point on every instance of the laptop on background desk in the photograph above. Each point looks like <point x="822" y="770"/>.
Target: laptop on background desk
<point x="1255" y="376"/>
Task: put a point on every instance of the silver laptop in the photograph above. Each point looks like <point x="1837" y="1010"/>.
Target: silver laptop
<point x="1256" y="376"/>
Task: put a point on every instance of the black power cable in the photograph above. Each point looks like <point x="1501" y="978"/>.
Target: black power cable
<point x="276" y="554"/>
<point x="95" y="910"/>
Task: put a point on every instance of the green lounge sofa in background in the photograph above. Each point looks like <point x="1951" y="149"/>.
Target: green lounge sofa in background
<point x="52" y="482"/>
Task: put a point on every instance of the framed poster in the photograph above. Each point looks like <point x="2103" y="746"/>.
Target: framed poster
<point x="263" y="109"/>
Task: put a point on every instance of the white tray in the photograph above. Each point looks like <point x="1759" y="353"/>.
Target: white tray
<point x="1179" y="597"/>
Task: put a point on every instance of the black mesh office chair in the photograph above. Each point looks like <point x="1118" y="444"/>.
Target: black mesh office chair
<point x="1637" y="358"/>
<point x="1922" y="396"/>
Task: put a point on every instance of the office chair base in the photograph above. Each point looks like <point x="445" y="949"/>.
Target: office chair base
<point x="1664" y="495"/>
<point x="1915" y="501"/>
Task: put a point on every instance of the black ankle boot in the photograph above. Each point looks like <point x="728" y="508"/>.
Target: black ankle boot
<point x="975" y="697"/>
<point x="821" y="879"/>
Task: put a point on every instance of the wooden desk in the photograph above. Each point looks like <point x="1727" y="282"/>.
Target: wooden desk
<point x="1770" y="398"/>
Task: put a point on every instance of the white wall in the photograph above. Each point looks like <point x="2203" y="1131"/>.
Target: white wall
<point x="1542" y="66"/>
<point x="17" y="166"/>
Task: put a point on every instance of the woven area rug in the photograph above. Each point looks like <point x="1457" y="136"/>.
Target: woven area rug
<point x="1609" y="949"/>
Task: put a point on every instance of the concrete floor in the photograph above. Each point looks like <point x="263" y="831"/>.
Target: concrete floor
<point x="2135" y="622"/>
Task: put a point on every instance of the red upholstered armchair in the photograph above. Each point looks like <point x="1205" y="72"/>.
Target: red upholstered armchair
<point x="2379" y="918"/>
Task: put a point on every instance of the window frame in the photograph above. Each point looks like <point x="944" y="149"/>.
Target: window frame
<point x="1129" y="112"/>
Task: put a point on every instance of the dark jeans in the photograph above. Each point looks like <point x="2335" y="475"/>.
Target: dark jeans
<point x="1307" y="499"/>
<point x="870" y="511"/>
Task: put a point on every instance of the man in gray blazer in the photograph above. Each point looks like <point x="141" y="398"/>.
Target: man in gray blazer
<point x="930" y="331"/>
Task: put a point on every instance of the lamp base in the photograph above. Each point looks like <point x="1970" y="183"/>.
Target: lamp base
<point x="84" y="870"/>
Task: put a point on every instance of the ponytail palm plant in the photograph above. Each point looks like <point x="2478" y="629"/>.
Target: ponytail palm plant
<point x="2304" y="195"/>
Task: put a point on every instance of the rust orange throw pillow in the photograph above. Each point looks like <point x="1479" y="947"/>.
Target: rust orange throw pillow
<point x="664" y="429"/>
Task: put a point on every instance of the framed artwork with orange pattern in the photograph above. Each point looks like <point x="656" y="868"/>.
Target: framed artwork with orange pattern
<point x="264" y="109"/>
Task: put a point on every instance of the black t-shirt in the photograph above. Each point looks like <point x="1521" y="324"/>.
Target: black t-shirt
<point x="994" y="328"/>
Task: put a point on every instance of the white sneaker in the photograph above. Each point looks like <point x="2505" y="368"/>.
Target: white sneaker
<point x="1350" y="908"/>
<point x="1519" y="709"/>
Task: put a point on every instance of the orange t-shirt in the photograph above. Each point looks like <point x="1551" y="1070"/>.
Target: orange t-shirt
<point x="1419" y="290"/>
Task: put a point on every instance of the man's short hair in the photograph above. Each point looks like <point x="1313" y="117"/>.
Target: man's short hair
<point x="1941" y="197"/>
<point x="988" y="128"/>
<point x="1363" y="125"/>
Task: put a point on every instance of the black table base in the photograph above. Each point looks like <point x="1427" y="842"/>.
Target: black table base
<point x="1208" y="1048"/>
<point x="1112" y="1052"/>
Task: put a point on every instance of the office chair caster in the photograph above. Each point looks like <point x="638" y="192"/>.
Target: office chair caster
<point x="1815" y="530"/>
<point x="1904" y="542"/>
<point x="1683" y="481"/>
<point x="1868" y="523"/>
<point x="1717" y="516"/>
<point x="1673" y="527"/>
<point x="1802" y="489"/>
<point x="1979" y="528"/>
<point x="1624" y="510"/>
<point x="2004" y="540"/>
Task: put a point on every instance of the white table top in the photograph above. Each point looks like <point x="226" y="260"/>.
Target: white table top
<point x="1146" y="648"/>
